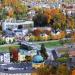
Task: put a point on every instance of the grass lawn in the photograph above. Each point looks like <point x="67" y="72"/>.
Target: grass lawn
<point x="6" y="48"/>
<point x="63" y="59"/>
<point x="51" y="44"/>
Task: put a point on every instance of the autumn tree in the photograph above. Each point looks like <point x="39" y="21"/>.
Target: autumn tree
<point x="47" y="13"/>
<point x="18" y="9"/>
<point x="57" y="22"/>
<point x="14" y="54"/>
<point x="37" y="32"/>
<point x="62" y="70"/>
<point x="50" y="17"/>
<point x="71" y="23"/>
<point x="73" y="72"/>
<point x="46" y="70"/>
<point x="73" y="37"/>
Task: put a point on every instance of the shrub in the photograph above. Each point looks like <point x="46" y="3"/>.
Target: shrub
<point x="2" y="42"/>
<point x="32" y="38"/>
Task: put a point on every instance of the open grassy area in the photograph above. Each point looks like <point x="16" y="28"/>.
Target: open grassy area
<point x="54" y="43"/>
<point x="51" y="44"/>
<point x="6" y="48"/>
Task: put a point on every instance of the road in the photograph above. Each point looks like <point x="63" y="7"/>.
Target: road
<point x="16" y="68"/>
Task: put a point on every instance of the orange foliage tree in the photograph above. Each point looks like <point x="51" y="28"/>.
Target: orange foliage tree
<point x="49" y="13"/>
<point x="71" y="23"/>
<point x="73" y="72"/>
<point x="37" y="32"/>
<point x="11" y="13"/>
<point x="73" y="37"/>
<point x="18" y="9"/>
<point x="14" y="53"/>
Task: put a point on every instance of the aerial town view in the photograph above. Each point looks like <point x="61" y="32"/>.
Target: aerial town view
<point x="37" y="37"/>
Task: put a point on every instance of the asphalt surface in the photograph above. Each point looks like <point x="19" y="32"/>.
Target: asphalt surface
<point x="16" y="68"/>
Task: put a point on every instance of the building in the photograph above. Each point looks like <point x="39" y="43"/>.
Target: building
<point x="38" y="61"/>
<point x="72" y="55"/>
<point x="4" y="57"/>
<point x="69" y="1"/>
<point x="68" y="9"/>
<point x="17" y="24"/>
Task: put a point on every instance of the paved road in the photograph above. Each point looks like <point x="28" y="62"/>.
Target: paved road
<point x="15" y="73"/>
<point x="16" y="68"/>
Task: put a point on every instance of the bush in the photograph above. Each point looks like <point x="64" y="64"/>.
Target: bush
<point x="28" y="58"/>
<point x="14" y="40"/>
<point x="2" y="41"/>
<point x="32" y="38"/>
<point x="63" y="59"/>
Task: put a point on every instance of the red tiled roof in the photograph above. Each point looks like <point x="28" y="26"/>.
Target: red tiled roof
<point x="72" y="53"/>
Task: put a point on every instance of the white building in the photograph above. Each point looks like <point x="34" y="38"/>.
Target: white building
<point x="15" y="24"/>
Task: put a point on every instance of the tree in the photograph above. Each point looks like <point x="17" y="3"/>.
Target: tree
<point x="61" y="41"/>
<point x="0" y="27"/>
<point x="62" y="70"/>
<point x="40" y="20"/>
<point x="28" y="58"/>
<point x="14" y="54"/>
<point x="2" y="41"/>
<point x="43" y="51"/>
<point x="37" y="32"/>
<point x="46" y="70"/>
<point x="57" y="22"/>
<point x="71" y="23"/>
<point x="18" y="10"/>
<point x="3" y="13"/>
<point x="73" y="37"/>
<point x="73" y="72"/>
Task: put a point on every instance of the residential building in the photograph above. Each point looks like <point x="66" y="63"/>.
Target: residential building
<point x="68" y="9"/>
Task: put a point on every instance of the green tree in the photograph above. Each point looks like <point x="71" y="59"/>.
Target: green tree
<point x="43" y="51"/>
<point x="40" y="20"/>
<point x="2" y="41"/>
<point x="3" y="14"/>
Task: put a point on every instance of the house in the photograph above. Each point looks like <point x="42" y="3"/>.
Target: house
<point x="72" y="55"/>
<point x="54" y="54"/>
<point x="5" y="57"/>
<point x="69" y="9"/>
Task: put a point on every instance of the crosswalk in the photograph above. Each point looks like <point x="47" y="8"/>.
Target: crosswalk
<point x="15" y="74"/>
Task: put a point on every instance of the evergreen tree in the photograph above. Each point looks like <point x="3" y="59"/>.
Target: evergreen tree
<point x="43" y="51"/>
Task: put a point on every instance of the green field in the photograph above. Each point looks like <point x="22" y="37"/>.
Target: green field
<point x="50" y="44"/>
<point x="6" y="48"/>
